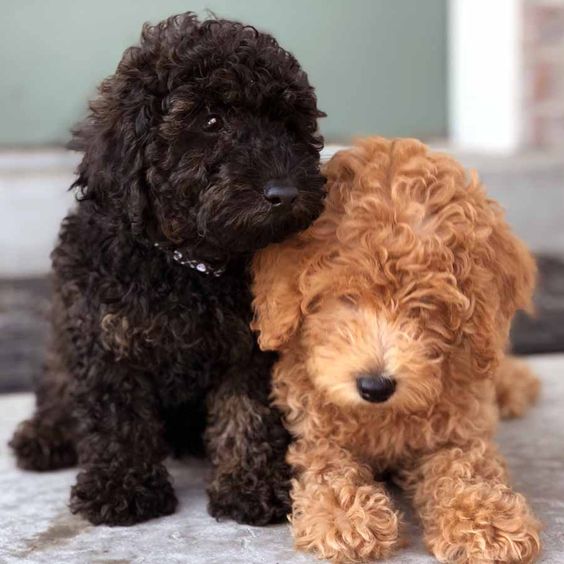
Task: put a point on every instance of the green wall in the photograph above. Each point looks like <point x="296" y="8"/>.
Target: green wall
<point x="379" y="65"/>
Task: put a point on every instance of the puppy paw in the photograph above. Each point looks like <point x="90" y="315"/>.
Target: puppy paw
<point x="250" y="499"/>
<point x="344" y="523"/>
<point x="483" y="525"/>
<point x="110" y="495"/>
<point x="41" y="447"/>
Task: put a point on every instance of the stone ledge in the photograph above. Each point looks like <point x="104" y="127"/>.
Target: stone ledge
<point x="34" y="198"/>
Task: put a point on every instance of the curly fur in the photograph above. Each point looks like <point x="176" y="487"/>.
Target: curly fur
<point x="144" y="350"/>
<point x="413" y="273"/>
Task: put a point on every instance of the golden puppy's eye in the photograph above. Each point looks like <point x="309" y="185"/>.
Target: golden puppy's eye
<point x="348" y="300"/>
<point x="212" y="123"/>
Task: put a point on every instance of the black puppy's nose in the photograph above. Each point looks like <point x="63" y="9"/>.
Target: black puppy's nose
<point x="375" y="388"/>
<point x="280" y="193"/>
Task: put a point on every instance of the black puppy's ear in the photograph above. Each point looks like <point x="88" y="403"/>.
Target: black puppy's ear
<point x="119" y="130"/>
<point x="114" y="139"/>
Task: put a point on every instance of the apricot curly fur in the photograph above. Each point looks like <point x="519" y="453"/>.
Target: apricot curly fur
<point x="355" y="517"/>
<point x="516" y="388"/>
<point x="144" y="350"/>
<point x="410" y="274"/>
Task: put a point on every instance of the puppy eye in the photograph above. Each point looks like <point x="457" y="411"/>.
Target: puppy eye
<point x="348" y="300"/>
<point x="212" y="123"/>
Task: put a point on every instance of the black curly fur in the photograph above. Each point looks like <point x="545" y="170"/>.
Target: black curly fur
<point x="145" y="350"/>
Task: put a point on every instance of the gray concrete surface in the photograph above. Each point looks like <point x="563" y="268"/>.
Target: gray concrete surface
<point x="36" y="527"/>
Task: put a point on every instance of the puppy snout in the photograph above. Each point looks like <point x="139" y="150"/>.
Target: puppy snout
<point x="280" y="193"/>
<point x="375" y="388"/>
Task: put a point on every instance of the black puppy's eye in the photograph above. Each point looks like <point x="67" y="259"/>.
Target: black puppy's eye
<point x="212" y="123"/>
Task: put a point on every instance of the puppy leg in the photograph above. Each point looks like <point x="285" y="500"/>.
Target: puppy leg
<point x="516" y="386"/>
<point x="468" y="510"/>
<point x="338" y="511"/>
<point x="47" y="441"/>
<point x="121" y="448"/>
<point x="247" y="443"/>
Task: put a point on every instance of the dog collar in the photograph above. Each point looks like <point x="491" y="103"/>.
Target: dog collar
<point x="197" y="265"/>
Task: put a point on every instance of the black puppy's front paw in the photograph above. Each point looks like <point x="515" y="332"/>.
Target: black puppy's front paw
<point x="122" y="495"/>
<point x="250" y="499"/>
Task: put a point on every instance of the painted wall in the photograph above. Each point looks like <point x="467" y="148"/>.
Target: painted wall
<point x="379" y="65"/>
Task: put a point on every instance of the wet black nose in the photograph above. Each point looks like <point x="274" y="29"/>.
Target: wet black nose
<point x="280" y="193"/>
<point x="375" y="388"/>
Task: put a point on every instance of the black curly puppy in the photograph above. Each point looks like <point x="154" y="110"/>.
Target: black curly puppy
<point x="199" y="150"/>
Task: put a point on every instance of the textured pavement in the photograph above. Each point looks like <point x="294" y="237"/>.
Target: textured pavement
<point x="36" y="527"/>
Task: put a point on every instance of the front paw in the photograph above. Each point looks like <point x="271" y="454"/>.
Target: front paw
<point x="122" y="495"/>
<point x="250" y="499"/>
<point x="485" y="524"/>
<point x="344" y="522"/>
<point x="41" y="447"/>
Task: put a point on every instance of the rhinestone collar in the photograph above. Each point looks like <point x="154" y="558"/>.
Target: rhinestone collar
<point x="197" y="265"/>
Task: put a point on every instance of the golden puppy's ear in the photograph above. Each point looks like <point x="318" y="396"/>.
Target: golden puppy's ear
<point x="502" y="282"/>
<point x="516" y="272"/>
<point x="277" y="298"/>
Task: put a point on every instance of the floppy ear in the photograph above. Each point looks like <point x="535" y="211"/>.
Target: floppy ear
<point x="516" y="272"/>
<point x="502" y="281"/>
<point x="277" y="297"/>
<point x="118" y="137"/>
<point x="114" y="138"/>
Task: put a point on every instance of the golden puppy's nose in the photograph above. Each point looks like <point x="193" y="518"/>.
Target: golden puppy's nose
<point x="375" y="388"/>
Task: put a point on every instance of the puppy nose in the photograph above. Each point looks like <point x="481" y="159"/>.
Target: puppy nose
<point x="375" y="388"/>
<point x="280" y="193"/>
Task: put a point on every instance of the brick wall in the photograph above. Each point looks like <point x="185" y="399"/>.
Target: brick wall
<point x="543" y="44"/>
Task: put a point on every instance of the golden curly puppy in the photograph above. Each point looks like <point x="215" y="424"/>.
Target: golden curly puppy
<point x="391" y="314"/>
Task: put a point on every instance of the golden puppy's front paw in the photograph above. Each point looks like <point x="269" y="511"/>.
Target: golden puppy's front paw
<point x="485" y="524"/>
<point x="347" y="523"/>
